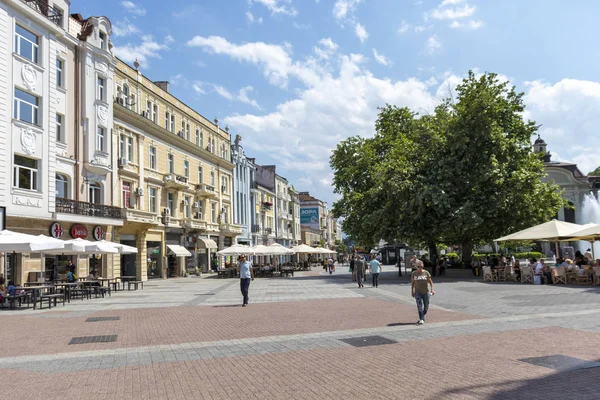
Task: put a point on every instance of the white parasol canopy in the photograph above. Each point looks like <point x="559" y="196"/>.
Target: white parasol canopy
<point x="552" y="231"/>
<point x="304" y="249"/>
<point x="121" y="248"/>
<point x="70" y="247"/>
<point x="23" y="243"/>
<point x="588" y="233"/>
<point x="322" y="250"/>
<point x="235" y="250"/>
<point x="276" y="249"/>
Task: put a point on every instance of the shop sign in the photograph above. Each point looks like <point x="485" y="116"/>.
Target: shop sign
<point x="56" y="230"/>
<point x="99" y="233"/>
<point x="79" y="231"/>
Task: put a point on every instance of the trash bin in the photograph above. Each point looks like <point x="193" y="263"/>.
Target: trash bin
<point x="537" y="279"/>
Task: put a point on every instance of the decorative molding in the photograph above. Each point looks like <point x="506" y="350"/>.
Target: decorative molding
<point x="26" y="201"/>
<point x="29" y="77"/>
<point x="103" y="115"/>
<point x="28" y="141"/>
<point x="89" y="65"/>
<point x="102" y="67"/>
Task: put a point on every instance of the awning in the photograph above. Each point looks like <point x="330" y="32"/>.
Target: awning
<point x="204" y="243"/>
<point x="179" y="251"/>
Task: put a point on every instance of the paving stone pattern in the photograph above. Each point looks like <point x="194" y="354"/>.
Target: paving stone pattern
<point x="313" y="336"/>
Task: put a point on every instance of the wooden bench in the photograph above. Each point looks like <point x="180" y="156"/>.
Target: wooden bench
<point x="12" y="299"/>
<point x="134" y="284"/>
<point x="50" y="297"/>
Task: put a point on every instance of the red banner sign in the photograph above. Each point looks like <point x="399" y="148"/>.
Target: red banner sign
<point x="79" y="231"/>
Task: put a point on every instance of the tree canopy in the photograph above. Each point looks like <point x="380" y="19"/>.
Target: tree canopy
<point x="595" y="172"/>
<point x="465" y="174"/>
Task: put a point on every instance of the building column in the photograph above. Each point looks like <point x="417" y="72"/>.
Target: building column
<point x="141" y="259"/>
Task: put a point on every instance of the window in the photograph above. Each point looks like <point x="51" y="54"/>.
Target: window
<point x="212" y="178"/>
<point x="182" y="128"/>
<point x="95" y="193"/>
<point x="199" y="215"/>
<point x="130" y="149"/>
<point x="126" y="195"/>
<point x="101" y="139"/>
<point x="152" y="199"/>
<point x="26" y="107"/>
<point x="62" y="187"/>
<point x="172" y="123"/>
<point x="167" y="119"/>
<point x="186" y="207"/>
<point x="213" y="212"/>
<point x="171" y="163"/>
<point x="170" y="202"/>
<point x="201" y="138"/>
<point x="225" y="215"/>
<point x="154" y="112"/>
<point x="122" y="146"/>
<point x="148" y="108"/>
<point x="186" y="168"/>
<point x="100" y="94"/>
<point x="102" y="36"/>
<point x="27" y="44"/>
<point x="59" y="72"/>
<point x="60" y="136"/>
<point x="187" y="132"/>
<point x="197" y="137"/>
<point x="200" y="177"/>
<point x="223" y="152"/>
<point x="152" y="157"/>
<point x="213" y="146"/>
<point x="26" y="173"/>
<point x="224" y="184"/>
<point x="125" y="96"/>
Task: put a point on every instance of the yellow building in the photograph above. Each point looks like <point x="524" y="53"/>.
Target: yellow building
<point x="174" y="179"/>
<point x="264" y="230"/>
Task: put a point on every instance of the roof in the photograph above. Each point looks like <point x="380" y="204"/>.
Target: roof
<point x="539" y="140"/>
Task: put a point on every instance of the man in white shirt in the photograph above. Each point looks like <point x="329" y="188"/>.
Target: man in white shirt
<point x="246" y="275"/>
<point x="539" y="268"/>
<point x="375" y="267"/>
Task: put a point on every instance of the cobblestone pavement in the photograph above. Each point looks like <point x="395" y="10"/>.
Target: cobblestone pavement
<point x="313" y="336"/>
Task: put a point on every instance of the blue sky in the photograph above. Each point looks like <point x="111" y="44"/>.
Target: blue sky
<point x="294" y="77"/>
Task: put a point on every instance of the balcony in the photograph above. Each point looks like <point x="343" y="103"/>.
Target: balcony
<point x="175" y="181"/>
<point x="230" y="229"/>
<point x="141" y="217"/>
<point x="268" y="231"/>
<point x="204" y="190"/>
<point x="81" y="208"/>
<point x="42" y="7"/>
<point x="266" y="206"/>
<point x="254" y="187"/>
<point x="194" y="224"/>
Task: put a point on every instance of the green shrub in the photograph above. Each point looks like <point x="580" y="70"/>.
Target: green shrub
<point x="452" y="256"/>
<point x="531" y="254"/>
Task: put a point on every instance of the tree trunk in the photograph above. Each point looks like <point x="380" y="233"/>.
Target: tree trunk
<point x="433" y="256"/>
<point x="467" y="254"/>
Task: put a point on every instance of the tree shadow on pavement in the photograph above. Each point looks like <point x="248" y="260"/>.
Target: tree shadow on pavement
<point x="401" y="324"/>
<point x="580" y="384"/>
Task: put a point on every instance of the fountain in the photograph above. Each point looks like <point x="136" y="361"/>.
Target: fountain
<point x="589" y="213"/>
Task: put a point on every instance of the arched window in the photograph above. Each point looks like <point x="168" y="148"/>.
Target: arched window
<point x="62" y="186"/>
<point x="95" y="193"/>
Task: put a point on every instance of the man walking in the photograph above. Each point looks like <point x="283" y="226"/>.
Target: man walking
<point x="359" y="267"/>
<point x="420" y="281"/>
<point x="246" y="275"/>
<point x="375" y="267"/>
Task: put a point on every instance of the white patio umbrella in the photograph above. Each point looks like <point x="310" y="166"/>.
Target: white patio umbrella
<point x="235" y="250"/>
<point x="15" y="242"/>
<point x="553" y="231"/>
<point x="260" y="250"/>
<point x="121" y="248"/>
<point x="276" y="249"/>
<point x="94" y="247"/>
<point x="304" y="249"/>
<point x="322" y="250"/>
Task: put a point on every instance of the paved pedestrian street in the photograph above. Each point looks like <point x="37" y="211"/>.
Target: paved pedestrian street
<point x="311" y="336"/>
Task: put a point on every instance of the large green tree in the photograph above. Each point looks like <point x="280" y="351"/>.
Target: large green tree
<point x="465" y="174"/>
<point x="595" y="172"/>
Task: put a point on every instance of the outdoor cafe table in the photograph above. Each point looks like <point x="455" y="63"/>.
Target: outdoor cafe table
<point x="67" y="286"/>
<point x="37" y="292"/>
<point x="126" y="279"/>
<point x="108" y="282"/>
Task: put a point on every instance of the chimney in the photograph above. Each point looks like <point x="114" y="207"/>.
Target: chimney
<point x="164" y="85"/>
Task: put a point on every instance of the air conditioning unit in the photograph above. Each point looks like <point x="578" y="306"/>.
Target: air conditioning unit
<point x="167" y="211"/>
<point x="120" y="101"/>
<point x="181" y="134"/>
<point x="139" y="191"/>
<point x="123" y="162"/>
<point x="196" y="205"/>
<point x="199" y="186"/>
<point x="208" y="148"/>
<point x="184" y="202"/>
<point x="199" y="215"/>
<point x="145" y="114"/>
<point x="166" y="219"/>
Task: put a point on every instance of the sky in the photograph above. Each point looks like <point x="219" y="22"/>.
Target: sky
<point x="295" y="77"/>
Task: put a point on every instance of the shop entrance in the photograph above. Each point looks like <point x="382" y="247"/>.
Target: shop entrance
<point x="154" y="259"/>
<point x="128" y="261"/>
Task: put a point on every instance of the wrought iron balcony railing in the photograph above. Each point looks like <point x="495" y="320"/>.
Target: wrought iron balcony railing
<point x="42" y="7"/>
<point x="255" y="228"/>
<point x="68" y="206"/>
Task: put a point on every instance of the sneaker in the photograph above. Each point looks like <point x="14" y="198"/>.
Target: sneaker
<point x="244" y="305"/>
<point x="421" y="322"/>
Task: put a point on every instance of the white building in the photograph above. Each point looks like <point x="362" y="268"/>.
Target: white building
<point x="243" y="204"/>
<point x="55" y="109"/>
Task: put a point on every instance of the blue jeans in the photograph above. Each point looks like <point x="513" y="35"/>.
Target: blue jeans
<point x="422" y="304"/>
<point x="375" y="279"/>
<point x="245" y="286"/>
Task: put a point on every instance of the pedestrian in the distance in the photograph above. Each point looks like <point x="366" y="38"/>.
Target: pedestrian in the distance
<point x="359" y="267"/>
<point x="352" y="269"/>
<point x="331" y="266"/>
<point x="420" y="282"/>
<point x="246" y="275"/>
<point x="375" y="267"/>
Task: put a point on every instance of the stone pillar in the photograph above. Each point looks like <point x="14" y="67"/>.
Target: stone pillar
<point x="142" y="257"/>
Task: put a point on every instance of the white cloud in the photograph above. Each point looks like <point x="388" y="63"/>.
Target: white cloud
<point x="278" y="6"/>
<point x="149" y="48"/>
<point x="361" y="32"/>
<point x="125" y="28"/>
<point x="433" y="44"/>
<point x="186" y="12"/>
<point x="444" y="12"/>
<point x="380" y="58"/>
<point x="134" y="9"/>
<point x="251" y="19"/>
<point x="199" y="87"/>
<point x="326" y="48"/>
<point x="403" y="27"/>
<point x="569" y="112"/>
<point x="169" y="40"/>
<point x="422" y="28"/>
<point x="472" y="24"/>
<point x="343" y="9"/>
<point x="451" y="2"/>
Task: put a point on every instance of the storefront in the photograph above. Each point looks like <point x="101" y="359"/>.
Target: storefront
<point x="128" y="261"/>
<point x="207" y="247"/>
